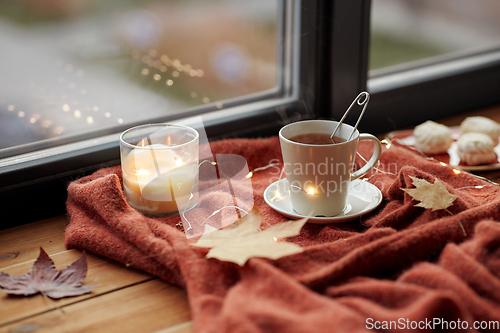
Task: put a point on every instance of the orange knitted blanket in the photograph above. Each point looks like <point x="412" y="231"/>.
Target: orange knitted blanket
<point x="399" y="267"/>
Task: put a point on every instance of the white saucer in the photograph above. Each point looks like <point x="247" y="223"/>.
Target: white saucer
<point x="363" y="197"/>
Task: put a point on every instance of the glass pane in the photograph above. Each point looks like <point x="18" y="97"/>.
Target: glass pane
<point x="408" y="30"/>
<point x="73" y="68"/>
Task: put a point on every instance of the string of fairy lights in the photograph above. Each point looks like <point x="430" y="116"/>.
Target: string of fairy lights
<point x="249" y="175"/>
<point x="388" y="142"/>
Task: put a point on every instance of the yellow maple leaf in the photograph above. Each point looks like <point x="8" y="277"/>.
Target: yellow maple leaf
<point x="244" y="240"/>
<point x="434" y="196"/>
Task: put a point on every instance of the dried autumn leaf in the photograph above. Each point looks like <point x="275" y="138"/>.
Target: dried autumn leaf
<point x="244" y="240"/>
<point x="434" y="196"/>
<point x="43" y="277"/>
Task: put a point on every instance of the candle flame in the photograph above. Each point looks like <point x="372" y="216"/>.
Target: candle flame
<point x="142" y="172"/>
<point x="456" y="171"/>
<point x="178" y="162"/>
<point x="250" y="174"/>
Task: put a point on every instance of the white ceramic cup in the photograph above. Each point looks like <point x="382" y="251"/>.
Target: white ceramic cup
<point x="320" y="174"/>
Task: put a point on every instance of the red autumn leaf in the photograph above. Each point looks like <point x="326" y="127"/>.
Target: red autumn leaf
<point x="43" y="277"/>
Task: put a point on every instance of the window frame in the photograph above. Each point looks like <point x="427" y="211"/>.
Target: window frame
<point x="39" y="179"/>
<point x="434" y="89"/>
<point x="431" y="89"/>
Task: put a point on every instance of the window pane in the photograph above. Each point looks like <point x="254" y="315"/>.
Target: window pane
<point x="408" y="30"/>
<point x="77" y="68"/>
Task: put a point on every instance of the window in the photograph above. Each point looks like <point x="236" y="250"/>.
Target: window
<point x="431" y="59"/>
<point x="315" y="57"/>
<point x="73" y="70"/>
<point x="102" y="67"/>
<point x="409" y="30"/>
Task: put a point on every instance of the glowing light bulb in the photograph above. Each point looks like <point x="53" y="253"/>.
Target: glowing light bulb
<point x="386" y="143"/>
<point x="277" y="195"/>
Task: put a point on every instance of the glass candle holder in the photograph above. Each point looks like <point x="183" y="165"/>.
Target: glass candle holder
<point x="160" y="168"/>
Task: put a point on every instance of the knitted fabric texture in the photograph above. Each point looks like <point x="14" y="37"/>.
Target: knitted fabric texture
<point x="398" y="265"/>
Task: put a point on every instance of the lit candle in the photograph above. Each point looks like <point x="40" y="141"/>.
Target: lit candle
<point x="161" y="179"/>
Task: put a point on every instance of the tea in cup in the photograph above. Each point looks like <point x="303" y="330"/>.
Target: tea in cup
<point x="319" y="166"/>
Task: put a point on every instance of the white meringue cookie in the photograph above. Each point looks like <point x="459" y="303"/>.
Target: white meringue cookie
<point x="479" y="124"/>
<point x="432" y="138"/>
<point x="476" y="149"/>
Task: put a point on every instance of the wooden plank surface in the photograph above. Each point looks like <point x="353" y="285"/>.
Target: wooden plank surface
<point x="104" y="273"/>
<point x="126" y="300"/>
<point x="21" y="244"/>
<point x="147" y="307"/>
